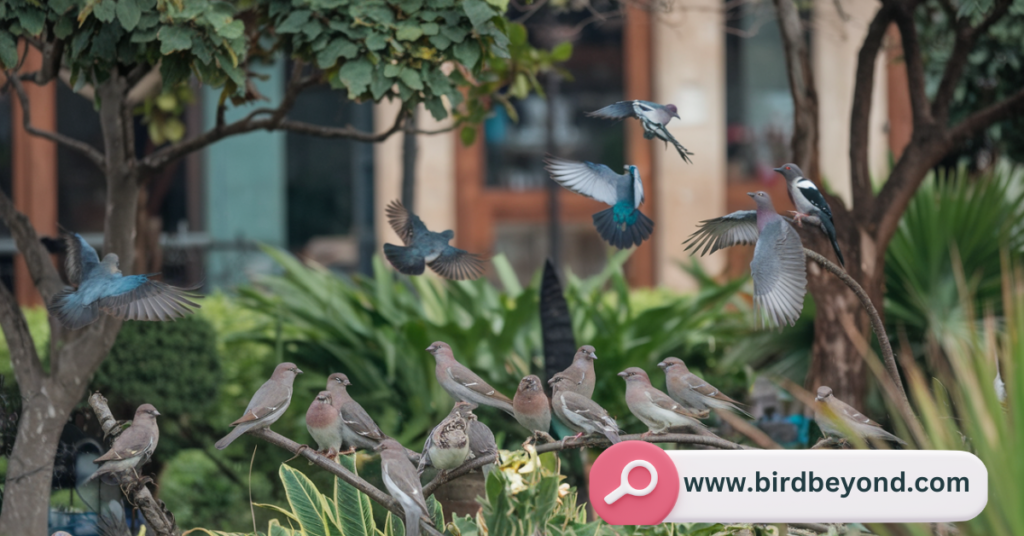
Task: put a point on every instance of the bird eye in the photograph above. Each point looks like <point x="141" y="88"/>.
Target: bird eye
<point x="787" y="167"/>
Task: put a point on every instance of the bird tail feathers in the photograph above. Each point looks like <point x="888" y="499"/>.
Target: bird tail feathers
<point x="830" y="230"/>
<point x="228" y="439"/>
<point x="623" y="235"/>
<point x="71" y="314"/>
<point x="404" y="259"/>
<point x="612" y="436"/>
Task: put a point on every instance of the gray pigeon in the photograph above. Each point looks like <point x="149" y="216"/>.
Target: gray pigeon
<point x="831" y="411"/>
<point x="267" y="405"/>
<point x="654" y="408"/>
<point x="403" y="483"/>
<point x="462" y="383"/>
<point x="779" y="268"/>
<point x="133" y="448"/>
<point x="100" y="286"/>
<point x="581" y="414"/>
<point x="694" y="393"/>
<point x="623" y="225"/>
<point x="447" y="445"/>
<point x="358" y="430"/>
<point x="652" y="116"/>
<point x="423" y="247"/>
<point x="581" y="375"/>
<point x="810" y="203"/>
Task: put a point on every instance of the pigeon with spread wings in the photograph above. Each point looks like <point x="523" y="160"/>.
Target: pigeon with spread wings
<point x="623" y="225"/>
<point x="99" y="286"/>
<point x="423" y="247"/>
<point x="778" y="268"/>
<point x="653" y="117"/>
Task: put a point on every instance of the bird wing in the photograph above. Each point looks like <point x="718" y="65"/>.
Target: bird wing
<point x="137" y="297"/>
<point x="619" y="110"/>
<point x="705" y="388"/>
<point x="360" y="422"/>
<point x="404" y="222"/>
<point x="404" y="476"/>
<point x="268" y="400"/>
<point x="779" y="271"/>
<point x="425" y="455"/>
<point x="586" y="408"/>
<point x="468" y="379"/>
<point x="665" y="402"/>
<point x="846" y="411"/>
<point x="135" y="441"/>
<point x="81" y="258"/>
<point x="457" y="264"/>
<point x="812" y="194"/>
<point x="596" y="181"/>
<point x="738" y="228"/>
<point x="638" y="191"/>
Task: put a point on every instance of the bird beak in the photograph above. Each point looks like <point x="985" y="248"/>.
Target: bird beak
<point x="593" y="355"/>
<point x="818" y="398"/>
<point x="431" y="348"/>
<point x="156" y="413"/>
<point x="777" y="170"/>
<point x="751" y="194"/>
<point x="298" y="371"/>
<point x="662" y="365"/>
<point x="622" y="374"/>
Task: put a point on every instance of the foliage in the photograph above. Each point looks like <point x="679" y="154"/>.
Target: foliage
<point x="375" y="330"/>
<point x="311" y="513"/>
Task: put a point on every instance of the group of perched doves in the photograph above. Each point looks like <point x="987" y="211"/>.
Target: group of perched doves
<point x="778" y="268"/>
<point x="336" y="421"/>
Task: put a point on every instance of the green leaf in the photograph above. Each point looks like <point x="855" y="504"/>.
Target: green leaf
<point x="478" y="12"/>
<point x="440" y="42"/>
<point x="380" y="85"/>
<point x="174" y="69"/>
<point x="392" y="70"/>
<point x="233" y="30"/>
<point x="338" y="47"/>
<point x="436" y="107"/>
<point x="562" y="51"/>
<point x="356" y="76"/>
<point x="294" y="22"/>
<point x="234" y="72"/>
<point x="32" y="20"/>
<point x="517" y="34"/>
<point x="454" y="33"/>
<point x="468" y="136"/>
<point x="174" y="38"/>
<point x="430" y="28"/>
<point x="354" y="516"/>
<point x="105" y="11"/>
<point x="65" y="26"/>
<point x="502" y="5"/>
<point x="411" y="78"/>
<point x="468" y="53"/>
<point x="307" y="503"/>
<point x="409" y="32"/>
<point x="128" y="13"/>
<point x="376" y="41"/>
<point x="8" y="50"/>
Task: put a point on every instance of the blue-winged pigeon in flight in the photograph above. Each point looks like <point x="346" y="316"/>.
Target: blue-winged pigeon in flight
<point x="427" y="248"/>
<point x="778" y="268"/>
<point x="623" y="225"/>
<point x="810" y="204"/>
<point x="100" y="286"/>
<point x="652" y="116"/>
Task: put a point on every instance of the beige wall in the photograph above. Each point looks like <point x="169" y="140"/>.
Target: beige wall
<point x="435" y="173"/>
<point x="836" y="45"/>
<point x="689" y="71"/>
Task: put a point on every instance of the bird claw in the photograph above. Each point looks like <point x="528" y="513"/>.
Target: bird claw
<point x="345" y="452"/>
<point x="798" y="217"/>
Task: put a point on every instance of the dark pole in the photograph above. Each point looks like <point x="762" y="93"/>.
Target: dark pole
<point x="554" y="211"/>
<point x="362" y="188"/>
<point x="409" y="162"/>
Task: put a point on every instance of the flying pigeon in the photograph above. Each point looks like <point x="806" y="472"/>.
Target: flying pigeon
<point x="831" y="411"/>
<point x="623" y="225"/>
<point x="653" y="407"/>
<point x="652" y="116"/>
<point x="133" y="448"/>
<point x="425" y="247"/>
<point x="810" y="204"/>
<point x="694" y="393"/>
<point x="267" y="405"/>
<point x="778" y="269"/>
<point x="462" y="383"/>
<point x="100" y="286"/>
<point x="580" y="373"/>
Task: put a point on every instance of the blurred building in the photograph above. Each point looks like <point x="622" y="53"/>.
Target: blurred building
<point x="721" y="64"/>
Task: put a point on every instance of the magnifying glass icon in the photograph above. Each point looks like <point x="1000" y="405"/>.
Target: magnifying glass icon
<point x="624" y="487"/>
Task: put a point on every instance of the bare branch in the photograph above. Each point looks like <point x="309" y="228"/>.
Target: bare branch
<point x="860" y="118"/>
<point x="904" y="18"/>
<point x="986" y="117"/>
<point x="684" y="439"/>
<point x="337" y="470"/>
<point x="28" y="371"/>
<point x="464" y="469"/>
<point x="44" y="274"/>
<point x="89" y="151"/>
<point x="804" y="142"/>
<point x="158" y="518"/>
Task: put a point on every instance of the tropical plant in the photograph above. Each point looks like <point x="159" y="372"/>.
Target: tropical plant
<point x="376" y="329"/>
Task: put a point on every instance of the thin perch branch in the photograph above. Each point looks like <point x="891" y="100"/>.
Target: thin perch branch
<point x="685" y="439"/>
<point x="461" y="470"/>
<point x="158" y="518"/>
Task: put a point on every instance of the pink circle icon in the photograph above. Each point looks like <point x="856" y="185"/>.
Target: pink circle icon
<point x="633" y="483"/>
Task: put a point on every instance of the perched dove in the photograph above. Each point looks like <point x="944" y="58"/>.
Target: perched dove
<point x="267" y="405"/>
<point x="831" y="411"/>
<point x="692" y="392"/>
<point x="623" y="225"/>
<point x="358" y="430"/>
<point x="653" y="116"/>
<point x="580" y="373"/>
<point x="100" y="286"/>
<point x="403" y="483"/>
<point x="653" y="407"/>
<point x="779" y="268"/>
<point x="810" y="204"/>
<point x="531" y="407"/>
<point x="447" y="445"/>
<point x="133" y="448"/>
<point x="581" y="414"/>
<point x="324" y="424"/>
<point x="425" y="247"/>
<point x="461" y="383"/>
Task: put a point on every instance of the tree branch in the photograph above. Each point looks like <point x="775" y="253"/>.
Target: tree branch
<point x="459" y="471"/>
<point x="44" y="274"/>
<point x="159" y="519"/>
<point x="804" y="143"/>
<point x="904" y="18"/>
<point x="90" y="152"/>
<point x="860" y="120"/>
<point x="337" y="470"/>
<point x="984" y="118"/>
<point x="685" y="439"/>
<point x="28" y="370"/>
